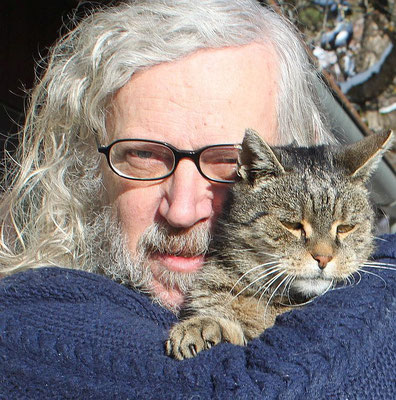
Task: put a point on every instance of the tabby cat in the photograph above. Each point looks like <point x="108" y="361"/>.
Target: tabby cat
<point x="297" y="222"/>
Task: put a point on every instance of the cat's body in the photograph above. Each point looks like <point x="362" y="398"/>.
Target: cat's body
<point x="298" y="222"/>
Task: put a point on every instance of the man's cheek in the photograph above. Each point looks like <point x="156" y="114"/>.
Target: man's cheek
<point x="220" y="194"/>
<point x="135" y="214"/>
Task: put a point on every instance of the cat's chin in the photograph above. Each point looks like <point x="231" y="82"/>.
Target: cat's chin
<point x="304" y="289"/>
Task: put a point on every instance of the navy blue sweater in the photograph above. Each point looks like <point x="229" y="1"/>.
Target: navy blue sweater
<point x="67" y="334"/>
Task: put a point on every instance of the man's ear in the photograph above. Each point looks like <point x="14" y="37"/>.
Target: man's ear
<point x="361" y="158"/>
<point x="257" y="158"/>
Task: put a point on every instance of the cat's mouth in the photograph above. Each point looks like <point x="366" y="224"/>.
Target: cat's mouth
<point x="307" y="288"/>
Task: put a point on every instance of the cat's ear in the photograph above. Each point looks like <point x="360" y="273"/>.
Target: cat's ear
<point x="361" y="158"/>
<point x="257" y="158"/>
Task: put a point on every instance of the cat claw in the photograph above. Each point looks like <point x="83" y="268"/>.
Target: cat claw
<point x="191" y="336"/>
<point x="209" y="344"/>
<point x="193" y="349"/>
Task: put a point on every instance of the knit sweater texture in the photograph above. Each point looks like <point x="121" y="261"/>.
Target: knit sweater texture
<point x="68" y="334"/>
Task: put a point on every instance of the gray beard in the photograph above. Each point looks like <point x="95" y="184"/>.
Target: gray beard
<point x="110" y="255"/>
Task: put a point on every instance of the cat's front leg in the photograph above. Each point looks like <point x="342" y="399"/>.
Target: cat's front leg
<point x="189" y="337"/>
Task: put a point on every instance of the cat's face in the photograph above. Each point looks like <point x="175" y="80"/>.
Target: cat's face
<point x="301" y="214"/>
<point x="317" y="232"/>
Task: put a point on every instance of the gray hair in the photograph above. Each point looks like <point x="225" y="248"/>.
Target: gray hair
<point x="54" y="186"/>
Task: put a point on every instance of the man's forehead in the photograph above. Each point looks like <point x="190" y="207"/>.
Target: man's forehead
<point x="190" y="70"/>
<point x="216" y="91"/>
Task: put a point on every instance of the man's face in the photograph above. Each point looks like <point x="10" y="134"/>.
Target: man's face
<point x="209" y="97"/>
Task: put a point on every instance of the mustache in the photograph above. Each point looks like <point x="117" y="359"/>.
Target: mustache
<point x="165" y="239"/>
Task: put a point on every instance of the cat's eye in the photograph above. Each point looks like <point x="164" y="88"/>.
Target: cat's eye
<point x="344" y="228"/>
<point x="296" y="228"/>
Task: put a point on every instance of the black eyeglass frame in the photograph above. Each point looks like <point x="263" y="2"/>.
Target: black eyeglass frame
<point x="193" y="155"/>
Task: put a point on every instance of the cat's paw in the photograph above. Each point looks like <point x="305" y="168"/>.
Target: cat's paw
<point x="189" y="337"/>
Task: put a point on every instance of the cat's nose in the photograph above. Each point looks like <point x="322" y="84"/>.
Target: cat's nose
<point x="322" y="260"/>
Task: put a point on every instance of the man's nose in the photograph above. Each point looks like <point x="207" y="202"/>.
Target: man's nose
<point x="187" y="196"/>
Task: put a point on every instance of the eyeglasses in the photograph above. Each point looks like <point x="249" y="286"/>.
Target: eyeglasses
<point x="149" y="160"/>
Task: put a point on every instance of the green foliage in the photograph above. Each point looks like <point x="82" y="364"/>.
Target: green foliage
<point x="311" y="18"/>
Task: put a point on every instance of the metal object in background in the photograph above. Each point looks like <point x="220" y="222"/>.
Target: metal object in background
<point x="383" y="182"/>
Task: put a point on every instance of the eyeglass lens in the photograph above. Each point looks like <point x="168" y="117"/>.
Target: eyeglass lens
<point x="145" y="160"/>
<point x="219" y="163"/>
<point x="141" y="160"/>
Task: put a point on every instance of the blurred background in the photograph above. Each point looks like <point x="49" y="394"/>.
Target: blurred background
<point x="354" y="42"/>
<point x="351" y="42"/>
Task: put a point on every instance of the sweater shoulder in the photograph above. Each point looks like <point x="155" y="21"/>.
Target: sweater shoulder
<point x="62" y="291"/>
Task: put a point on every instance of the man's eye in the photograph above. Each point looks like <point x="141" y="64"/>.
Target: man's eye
<point x="143" y="154"/>
<point x="138" y="154"/>
<point x="229" y="160"/>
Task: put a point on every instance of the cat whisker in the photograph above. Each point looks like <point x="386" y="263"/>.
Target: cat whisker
<point x="297" y="305"/>
<point x="240" y="260"/>
<point x="290" y="304"/>
<point x="349" y="280"/>
<point x="369" y="264"/>
<point x="264" y="253"/>
<point x="230" y="256"/>
<point x="243" y="251"/>
<point x="330" y="287"/>
<point x="377" y="263"/>
<point x="254" y="269"/>
<point x="382" y="239"/>
<point x="376" y="275"/>
<point x="265" y="288"/>
<point x="260" y="277"/>
<point x="379" y="267"/>
<point x="273" y="293"/>
<point x="287" y="287"/>
<point x="360" y="277"/>
<point x="289" y="284"/>
<point x="268" y="284"/>
<point x="274" y="256"/>
<point x="290" y="277"/>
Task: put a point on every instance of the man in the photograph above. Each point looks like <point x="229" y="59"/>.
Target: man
<point x="166" y="78"/>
